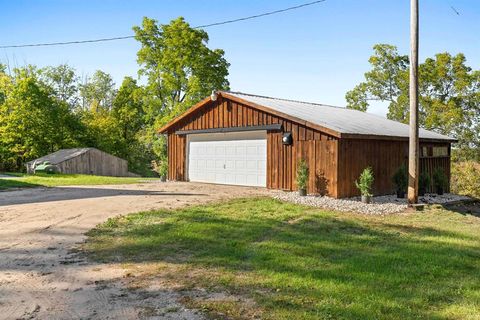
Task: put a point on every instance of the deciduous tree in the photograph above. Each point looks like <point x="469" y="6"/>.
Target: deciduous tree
<point x="180" y="69"/>
<point x="449" y="93"/>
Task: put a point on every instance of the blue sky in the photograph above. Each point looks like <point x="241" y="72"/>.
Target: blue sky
<point x="314" y="54"/>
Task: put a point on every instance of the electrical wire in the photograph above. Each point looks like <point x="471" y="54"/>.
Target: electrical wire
<point x="132" y="36"/>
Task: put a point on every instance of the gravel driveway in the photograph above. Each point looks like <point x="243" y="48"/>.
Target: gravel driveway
<point x="42" y="278"/>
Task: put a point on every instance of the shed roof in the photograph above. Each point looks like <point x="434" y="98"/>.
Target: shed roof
<point x="62" y="155"/>
<point x="345" y="122"/>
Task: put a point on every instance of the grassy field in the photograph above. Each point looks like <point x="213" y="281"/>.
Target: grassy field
<point x="285" y="261"/>
<point x="53" y="180"/>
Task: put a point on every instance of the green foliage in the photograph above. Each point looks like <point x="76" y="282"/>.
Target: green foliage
<point x="15" y="184"/>
<point x="63" y="82"/>
<point x="440" y="179"/>
<point x="54" y="180"/>
<point x="424" y="182"/>
<point x="465" y="154"/>
<point x="163" y="168"/>
<point x="293" y="262"/>
<point x="32" y="121"/>
<point x="302" y="174"/>
<point x="365" y="182"/>
<point x="466" y="178"/>
<point x="387" y="80"/>
<point x="43" y="110"/>
<point x="449" y="93"/>
<point x="98" y="92"/>
<point x="400" y="178"/>
<point x="180" y="69"/>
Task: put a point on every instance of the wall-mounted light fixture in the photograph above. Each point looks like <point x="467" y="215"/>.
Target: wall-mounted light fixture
<point x="287" y="138"/>
<point x="214" y="95"/>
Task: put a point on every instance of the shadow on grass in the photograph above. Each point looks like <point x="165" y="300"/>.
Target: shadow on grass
<point x="466" y="207"/>
<point x="6" y="184"/>
<point x="75" y="193"/>
<point x="307" y="264"/>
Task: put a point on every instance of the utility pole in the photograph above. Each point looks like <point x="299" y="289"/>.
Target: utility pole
<point x="413" y="156"/>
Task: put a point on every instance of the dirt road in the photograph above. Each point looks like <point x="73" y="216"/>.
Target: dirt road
<point x="40" y="276"/>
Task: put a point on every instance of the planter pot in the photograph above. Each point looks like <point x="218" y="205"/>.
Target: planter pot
<point x="302" y="192"/>
<point x="163" y="178"/>
<point x="439" y="191"/>
<point x="366" y="199"/>
<point x="400" y="194"/>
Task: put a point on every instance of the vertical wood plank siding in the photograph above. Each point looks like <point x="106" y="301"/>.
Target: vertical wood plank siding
<point x="385" y="157"/>
<point x="95" y="162"/>
<point x="334" y="163"/>
<point x="317" y="148"/>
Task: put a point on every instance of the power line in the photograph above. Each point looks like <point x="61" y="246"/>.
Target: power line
<point x="132" y="36"/>
<point x="262" y="14"/>
<point x="455" y="10"/>
<point x="65" y="43"/>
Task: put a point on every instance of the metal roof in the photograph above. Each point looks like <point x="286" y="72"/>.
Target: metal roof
<point x="61" y="155"/>
<point x="342" y="120"/>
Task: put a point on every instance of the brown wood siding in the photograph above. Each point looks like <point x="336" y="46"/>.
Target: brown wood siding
<point x="334" y="163"/>
<point x="385" y="157"/>
<point x="95" y="162"/>
<point x="317" y="148"/>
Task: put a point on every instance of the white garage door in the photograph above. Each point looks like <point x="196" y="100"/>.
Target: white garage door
<point x="228" y="158"/>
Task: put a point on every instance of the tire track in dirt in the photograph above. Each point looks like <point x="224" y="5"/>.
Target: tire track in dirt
<point x="42" y="278"/>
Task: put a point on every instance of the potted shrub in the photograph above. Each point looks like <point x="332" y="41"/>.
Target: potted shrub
<point x="302" y="177"/>
<point x="400" y="179"/>
<point x="364" y="184"/>
<point x="423" y="184"/>
<point x="439" y="181"/>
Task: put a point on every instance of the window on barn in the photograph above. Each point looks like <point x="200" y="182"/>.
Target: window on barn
<point x="433" y="151"/>
<point x="424" y="152"/>
<point x="440" y="151"/>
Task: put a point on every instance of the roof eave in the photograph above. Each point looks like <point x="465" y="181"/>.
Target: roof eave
<point x="387" y="137"/>
<point x="226" y="95"/>
<point x="282" y="115"/>
<point x="172" y="122"/>
<point x="324" y="129"/>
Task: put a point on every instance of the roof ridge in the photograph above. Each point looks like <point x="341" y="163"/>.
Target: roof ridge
<point x="283" y="99"/>
<point x="325" y="105"/>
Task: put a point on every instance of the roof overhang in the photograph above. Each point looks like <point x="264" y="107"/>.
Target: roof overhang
<point x="222" y="94"/>
<point x="329" y="131"/>
<point x="392" y="138"/>
<point x="197" y="106"/>
<point x="268" y="127"/>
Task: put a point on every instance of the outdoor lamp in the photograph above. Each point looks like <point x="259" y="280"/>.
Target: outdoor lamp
<point x="287" y="138"/>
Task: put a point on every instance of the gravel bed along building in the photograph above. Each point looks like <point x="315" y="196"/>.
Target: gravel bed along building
<point x="380" y="205"/>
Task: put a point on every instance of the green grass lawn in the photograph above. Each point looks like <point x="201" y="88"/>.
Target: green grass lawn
<point x="53" y="180"/>
<point x="297" y="262"/>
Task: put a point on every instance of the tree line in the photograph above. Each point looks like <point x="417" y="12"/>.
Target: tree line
<point x="46" y="109"/>
<point x="449" y="95"/>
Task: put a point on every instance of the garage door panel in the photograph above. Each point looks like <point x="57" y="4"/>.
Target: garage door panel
<point x="228" y="159"/>
<point x="220" y="178"/>
<point x="240" y="179"/>
<point x="239" y="164"/>
<point x="210" y="164"/>
<point x="230" y="165"/>
<point x="262" y="164"/>
<point x="240" y="150"/>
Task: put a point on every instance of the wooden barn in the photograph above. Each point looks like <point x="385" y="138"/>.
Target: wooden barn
<point x="242" y="139"/>
<point x="84" y="161"/>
